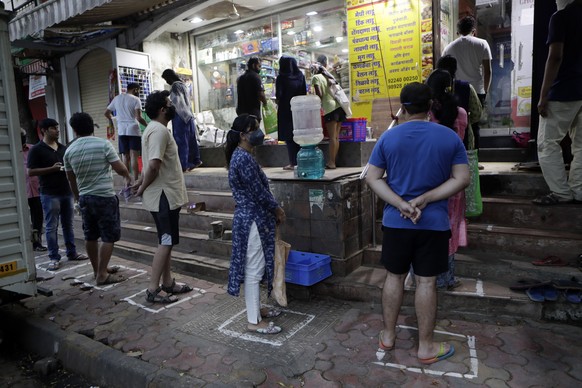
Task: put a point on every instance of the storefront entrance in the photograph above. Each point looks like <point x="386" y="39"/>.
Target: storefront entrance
<point x="507" y="25"/>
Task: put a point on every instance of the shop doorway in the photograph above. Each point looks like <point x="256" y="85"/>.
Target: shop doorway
<point x="507" y="25"/>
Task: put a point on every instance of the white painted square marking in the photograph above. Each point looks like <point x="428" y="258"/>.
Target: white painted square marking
<point x="129" y="299"/>
<point x="138" y="271"/>
<point x="472" y="356"/>
<point x="280" y="338"/>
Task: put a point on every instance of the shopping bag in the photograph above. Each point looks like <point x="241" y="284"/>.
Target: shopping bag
<point x="270" y="117"/>
<point x="340" y="96"/>
<point x="281" y="254"/>
<point x="474" y="202"/>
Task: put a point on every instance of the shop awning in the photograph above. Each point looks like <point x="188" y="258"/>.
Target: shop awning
<point x="49" y="14"/>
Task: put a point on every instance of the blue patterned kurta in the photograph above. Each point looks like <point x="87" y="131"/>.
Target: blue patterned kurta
<point x="254" y="202"/>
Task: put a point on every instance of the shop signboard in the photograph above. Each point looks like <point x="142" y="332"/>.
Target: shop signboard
<point x="390" y="45"/>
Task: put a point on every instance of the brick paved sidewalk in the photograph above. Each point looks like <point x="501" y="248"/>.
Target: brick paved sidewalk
<point x="201" y="341"/>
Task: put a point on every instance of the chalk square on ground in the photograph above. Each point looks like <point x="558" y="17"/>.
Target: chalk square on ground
<point x="291" y="321"/>
<point x="132" y="299"/>
<point x="474" y="368"/>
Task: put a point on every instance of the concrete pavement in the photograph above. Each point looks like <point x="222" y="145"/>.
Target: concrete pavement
<point x="116" y="339"/>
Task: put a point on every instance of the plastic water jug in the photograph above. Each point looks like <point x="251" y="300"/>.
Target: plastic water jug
<point x="306" y="120"/>
<point x="310" y="163"/>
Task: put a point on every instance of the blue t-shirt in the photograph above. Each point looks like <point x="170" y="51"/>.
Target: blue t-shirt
<point x="565" y="28"/>
<point x="418" y="156"/>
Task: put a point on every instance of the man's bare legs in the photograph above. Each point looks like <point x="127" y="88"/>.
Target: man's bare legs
<point x="100" y="255"/>
<point x="134" y="155"/>
<point x="161" y="267"/>
<point x="391" y="301"/>
<point x="425" y="304"/>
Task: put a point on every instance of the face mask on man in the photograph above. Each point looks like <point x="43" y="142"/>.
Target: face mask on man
<point x="563" y="3"/>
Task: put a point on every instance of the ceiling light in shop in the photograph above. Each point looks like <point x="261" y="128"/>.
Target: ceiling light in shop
<point x="196" y="20"/>
<point x="344" y="50"/>
<point x="238" y="32"/>
<point x="318" y="43"/>
<point x="339" y="39"/>
<point x="290" y="33"/>
<point x="311" y="13"/>
<point x="317" y="28"/>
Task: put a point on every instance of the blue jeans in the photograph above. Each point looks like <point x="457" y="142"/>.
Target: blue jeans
<point x="54" y="206"/>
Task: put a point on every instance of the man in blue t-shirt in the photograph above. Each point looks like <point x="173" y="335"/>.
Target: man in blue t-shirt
<point x="560" y="106"/>
<point x="425" y="164"/>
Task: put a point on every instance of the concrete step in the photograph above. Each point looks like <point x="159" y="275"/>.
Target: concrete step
<point x="505" y="153"/>
<point x="215" y="201"/>
<point x="535" y="243"/>
<point x="191" y="264"/>
<point x="496" y="183"/>
<point x="195" y="242"/>
<point x="201" y="220"/>
<point x="522" y="213"/>
<point x="476" y="298"/>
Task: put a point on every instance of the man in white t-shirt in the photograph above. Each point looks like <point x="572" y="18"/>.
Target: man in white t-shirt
<point x="473" y="61"/>
<point x="127" y="108"/>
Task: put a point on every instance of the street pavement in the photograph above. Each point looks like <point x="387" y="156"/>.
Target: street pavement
<point x="116" y="339"/>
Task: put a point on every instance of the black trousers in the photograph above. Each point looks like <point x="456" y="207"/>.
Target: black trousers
<point x="36" y="216"/>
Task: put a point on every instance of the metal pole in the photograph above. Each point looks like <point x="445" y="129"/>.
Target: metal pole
<point x="363" y="176"/>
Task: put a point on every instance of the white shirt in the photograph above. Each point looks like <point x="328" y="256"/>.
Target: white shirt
<point x="124" y="106"/>
<point x="470" y="52"/>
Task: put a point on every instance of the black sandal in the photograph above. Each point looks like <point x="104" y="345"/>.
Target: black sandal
<point x="155" y="297"/>
<point x="184" y="288"/>
<point x="552" y="200"/>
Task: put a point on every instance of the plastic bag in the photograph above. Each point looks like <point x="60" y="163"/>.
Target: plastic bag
<point x="521" y="139"/>
<point x="279" y="287"/>
<point x="212" y="136"/>
<point x="474" y="202"/>
<point x="270" y="117"/>
<point x="340" y="96"/>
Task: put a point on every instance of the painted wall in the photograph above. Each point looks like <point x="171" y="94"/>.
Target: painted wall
<point x="167" y="52"/>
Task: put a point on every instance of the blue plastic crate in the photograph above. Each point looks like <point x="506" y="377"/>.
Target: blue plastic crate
<point x="306" y="268"/>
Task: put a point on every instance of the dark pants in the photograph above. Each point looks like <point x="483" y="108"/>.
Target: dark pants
<point x="292" y="149"/>
<point x="36" y="216"/>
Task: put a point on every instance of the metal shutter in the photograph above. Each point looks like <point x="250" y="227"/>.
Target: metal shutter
<point x="17" y="266"/>
<point x="94" y="70"/>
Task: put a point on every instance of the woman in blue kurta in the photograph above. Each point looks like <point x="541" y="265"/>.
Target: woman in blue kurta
<point x="255" y="217"/>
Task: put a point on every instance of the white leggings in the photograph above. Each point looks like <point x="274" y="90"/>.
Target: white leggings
<point x="254" y="270"/>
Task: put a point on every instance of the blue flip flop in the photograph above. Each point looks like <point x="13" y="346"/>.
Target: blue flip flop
<point x="550" y="294"/>
<point x="573" y="296"/>
<point x="536" y="294"/>
<point x="441" y="355"/>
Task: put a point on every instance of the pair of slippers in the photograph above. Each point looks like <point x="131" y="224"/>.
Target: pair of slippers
<point x="543" y="293"/>
<point x="442" y="354"/>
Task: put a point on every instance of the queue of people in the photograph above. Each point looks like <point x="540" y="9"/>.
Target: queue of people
<point x="423" y="222"/>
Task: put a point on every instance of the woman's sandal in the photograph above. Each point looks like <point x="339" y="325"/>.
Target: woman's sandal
<point x="270" y="329"/>
<point x="271" y="313"/>
<point x="155" y="297"/>
<point x="183" y="288"/>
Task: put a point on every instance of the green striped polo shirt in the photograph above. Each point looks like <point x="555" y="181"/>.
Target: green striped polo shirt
<point x="90" y="158"/>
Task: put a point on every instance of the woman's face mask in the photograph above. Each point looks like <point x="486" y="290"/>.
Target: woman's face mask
<point x="255" y="137"/>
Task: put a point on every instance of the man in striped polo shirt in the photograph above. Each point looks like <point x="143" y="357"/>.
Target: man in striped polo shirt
<point x="88" y="162"/>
